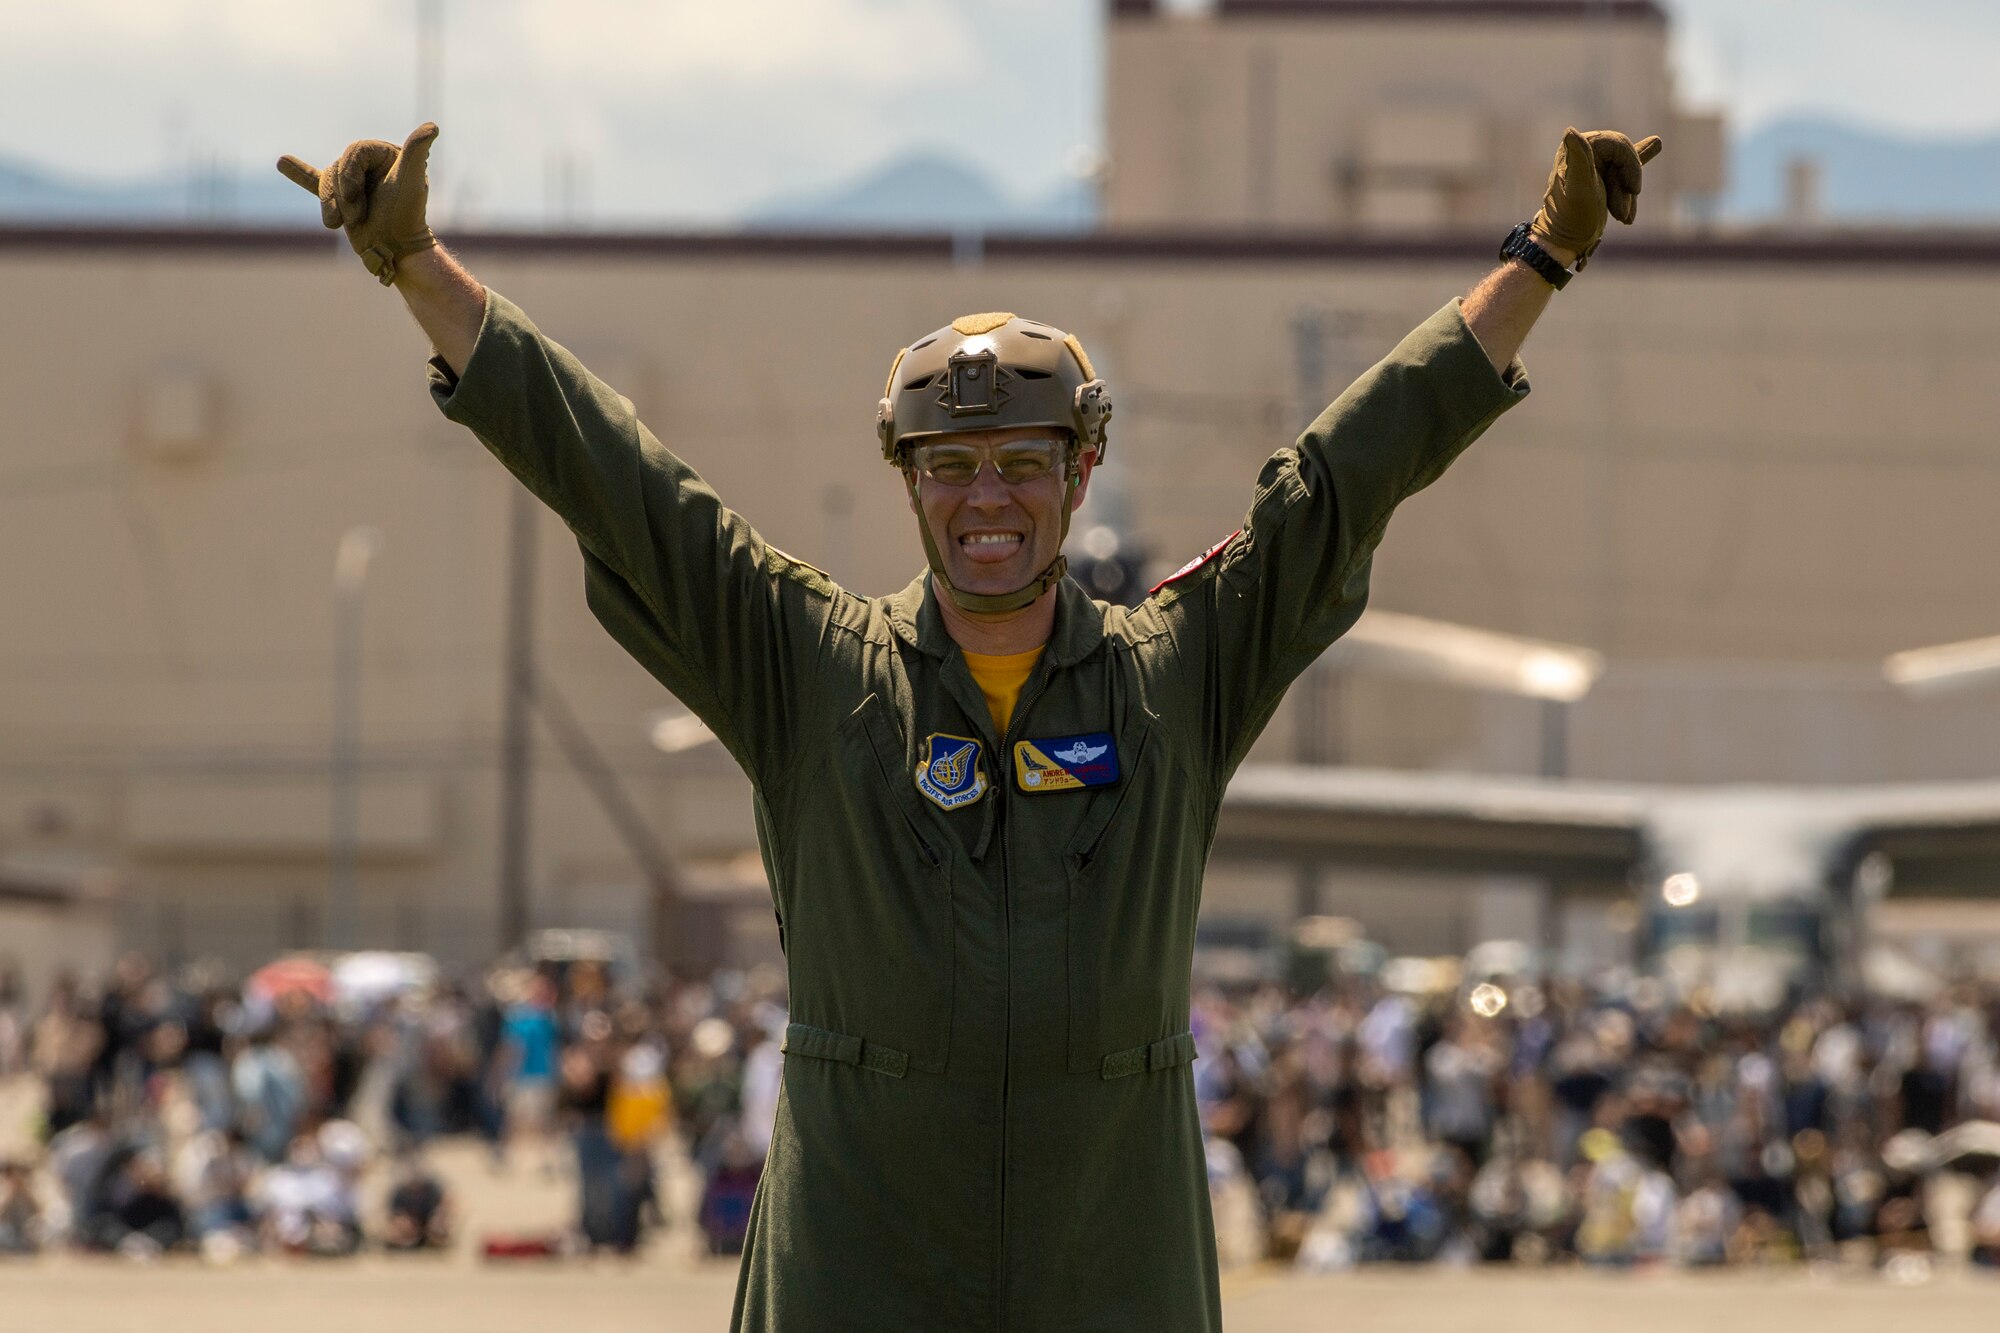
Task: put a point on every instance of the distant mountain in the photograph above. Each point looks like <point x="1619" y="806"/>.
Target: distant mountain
<point x="30" y="193"/>
<point x="928" y="192"/>
<point x="1867" y="174"/>
<point x="920" y="192"/>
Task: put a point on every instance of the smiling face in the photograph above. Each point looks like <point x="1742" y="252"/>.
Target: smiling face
<point x="996" y="537"/>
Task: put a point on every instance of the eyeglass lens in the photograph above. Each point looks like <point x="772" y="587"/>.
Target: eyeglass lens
<point x="1016" y="461"/>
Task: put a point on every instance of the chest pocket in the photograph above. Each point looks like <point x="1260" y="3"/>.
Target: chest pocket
<point x="1132" y="906"/>
<point x="870" y="932"/>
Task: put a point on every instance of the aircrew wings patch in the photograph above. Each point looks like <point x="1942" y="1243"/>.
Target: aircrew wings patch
<point x="1063" y="763"/>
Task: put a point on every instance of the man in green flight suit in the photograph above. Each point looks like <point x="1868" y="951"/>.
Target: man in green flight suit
<point x="985" y="801"/>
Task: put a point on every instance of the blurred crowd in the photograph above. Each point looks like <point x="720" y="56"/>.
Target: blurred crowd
<point x="1608" y="1126"/>
<point x="1522" y="1122"/>
<point x="147" y="1113"/>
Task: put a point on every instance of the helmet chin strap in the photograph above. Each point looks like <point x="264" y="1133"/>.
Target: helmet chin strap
<point x="994" y="603"/>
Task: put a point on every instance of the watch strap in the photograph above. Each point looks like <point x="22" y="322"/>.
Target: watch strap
<point x="1520" y="244"/>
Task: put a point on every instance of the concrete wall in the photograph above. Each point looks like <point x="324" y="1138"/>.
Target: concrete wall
<point x="42" y="940"/>
<point x="1745" y="474"/>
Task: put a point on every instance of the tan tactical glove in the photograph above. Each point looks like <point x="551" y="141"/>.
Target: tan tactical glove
<point x="377" y="191"/>
<point x="1597" y="174"/>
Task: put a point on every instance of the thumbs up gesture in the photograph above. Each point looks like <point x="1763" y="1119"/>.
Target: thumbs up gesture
<point x="1597" y="177"/>
<point x="378" y="192"/>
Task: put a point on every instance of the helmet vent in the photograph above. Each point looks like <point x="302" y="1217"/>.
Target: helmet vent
<point x="1030" y="333"/>
<point x="1027" y="374"/>
<point x="918" y="347"/>
<point x="916" y="384"/>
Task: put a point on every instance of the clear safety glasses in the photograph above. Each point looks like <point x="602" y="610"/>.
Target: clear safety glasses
<point x="1017" y="461"/>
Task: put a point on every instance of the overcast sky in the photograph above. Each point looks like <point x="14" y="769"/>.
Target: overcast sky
<point x="689" y="110"/>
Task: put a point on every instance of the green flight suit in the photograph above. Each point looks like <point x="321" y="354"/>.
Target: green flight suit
<point x="988" y="1116"/>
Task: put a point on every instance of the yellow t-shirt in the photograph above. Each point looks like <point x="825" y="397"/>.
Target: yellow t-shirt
<point x="1000" y="679"/>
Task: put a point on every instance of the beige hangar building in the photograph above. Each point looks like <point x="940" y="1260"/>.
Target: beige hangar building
<point x="1753" y="464"/>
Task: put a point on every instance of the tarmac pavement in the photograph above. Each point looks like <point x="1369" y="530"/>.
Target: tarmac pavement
<point x="380" y="1295"/>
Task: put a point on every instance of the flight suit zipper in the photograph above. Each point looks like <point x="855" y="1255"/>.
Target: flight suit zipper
<point x="1003" y="765"/>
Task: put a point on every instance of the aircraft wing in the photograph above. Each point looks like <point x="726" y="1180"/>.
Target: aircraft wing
<point x="54" y="882"/>
<point x="1433" y="821"/>
<point x="1942" y="838"/>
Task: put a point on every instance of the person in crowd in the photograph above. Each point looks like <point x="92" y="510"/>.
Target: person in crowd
<point x="524" y="1071"/>
<point x="304" y="1205"/>
<point x="81" y="1158"/>
<point x="142" y="1217"/>
<point x="63" y="1045"/>
<point x="1705" y="1221"/>
<point x="638" y="1117"/>
<point x="420" y="1214"/>
<point x="213" y="1173"/>
<point x="23" y="1226"/>
<point x="455" y="1050"/>
<point x="1461" y="1070"/>
<point x="270" y="1089"/>
<point x="14" y="1019"/>
<point x="731" y="1184"/>
<point x="1516" y="1204"/>
<point x="1986" y="1223"/>
<point x="584" y="1103"/>
<point x="763" y="1072"/>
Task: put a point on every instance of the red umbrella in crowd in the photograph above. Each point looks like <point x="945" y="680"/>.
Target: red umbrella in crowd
<point x="291" y="976"/>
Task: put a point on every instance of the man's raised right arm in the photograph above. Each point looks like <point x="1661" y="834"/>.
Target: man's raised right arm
<point x="730" y="625"/>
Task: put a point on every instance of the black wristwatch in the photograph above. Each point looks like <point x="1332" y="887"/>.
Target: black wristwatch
<point x="1520" y="244"/>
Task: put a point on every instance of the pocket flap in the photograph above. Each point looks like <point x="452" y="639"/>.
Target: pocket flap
<point x="880" y="731"/>
<point x="1163" y="1054"/>
<point x="1104" y="801"/>
<point x="820" y="1044"/>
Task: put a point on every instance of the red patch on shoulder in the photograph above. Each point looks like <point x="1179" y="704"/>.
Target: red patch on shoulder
<point x="1196" y="563"/>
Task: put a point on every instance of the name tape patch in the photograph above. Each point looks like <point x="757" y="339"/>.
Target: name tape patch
<point x="1063" y="763"/>
<point x="949" y="773"/>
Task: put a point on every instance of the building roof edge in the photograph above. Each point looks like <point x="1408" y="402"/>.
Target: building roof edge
<point x="1880" y="247"/>
<point x="1572" y="11"/>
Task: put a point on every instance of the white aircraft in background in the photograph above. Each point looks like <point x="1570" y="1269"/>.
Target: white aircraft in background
<point x="1747" y="890"/>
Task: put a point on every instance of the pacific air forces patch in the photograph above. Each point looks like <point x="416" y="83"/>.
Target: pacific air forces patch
<point x="949" y="772"/>
<point x="1062" y="763"/>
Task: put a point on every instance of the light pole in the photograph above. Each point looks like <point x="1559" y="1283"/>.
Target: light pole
<point x="340" y="918"/>
<point x="516" y="737"/>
